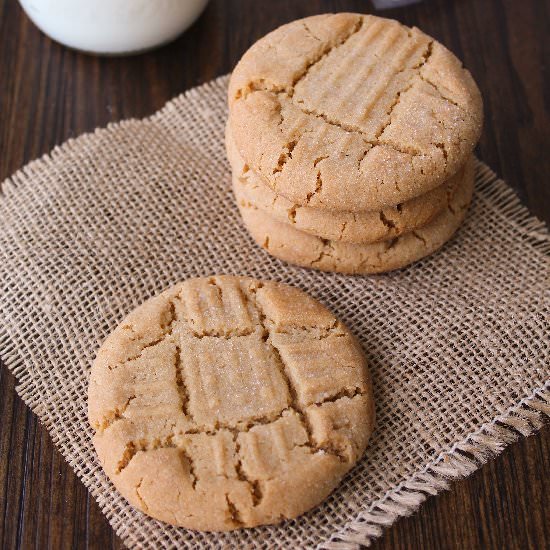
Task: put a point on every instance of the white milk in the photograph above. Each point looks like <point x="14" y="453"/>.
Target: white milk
<point x="113" y="26"/>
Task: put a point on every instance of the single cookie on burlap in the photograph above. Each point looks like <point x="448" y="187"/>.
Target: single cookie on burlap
<point x="227" y="402"/>
<point x="285" y="242"/>
<point x="352" y="112"/>
<point x="339" y="225"/>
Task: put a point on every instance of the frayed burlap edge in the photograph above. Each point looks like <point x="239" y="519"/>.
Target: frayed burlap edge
<point x="461" y="460"/>
<point x="458" y="461"/>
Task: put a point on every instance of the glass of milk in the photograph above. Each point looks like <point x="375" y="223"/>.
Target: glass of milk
<point x="113" y="27"/>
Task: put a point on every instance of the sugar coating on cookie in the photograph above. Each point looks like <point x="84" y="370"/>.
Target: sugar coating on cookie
<point x="227" y="402"/>
<point x="289" y="244"/>
<point x="352" y="112"/>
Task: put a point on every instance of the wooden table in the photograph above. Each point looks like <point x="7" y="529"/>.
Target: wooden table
<point x="49" y="93"/>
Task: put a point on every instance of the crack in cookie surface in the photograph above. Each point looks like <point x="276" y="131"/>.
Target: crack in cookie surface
<point x="373" y="141"/>
<point x="396" y="252"/>
<point x="325" y="53"/>
<point x="355" y="227"/>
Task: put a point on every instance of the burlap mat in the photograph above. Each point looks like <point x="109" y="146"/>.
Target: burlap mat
<point x="457" y="344"/>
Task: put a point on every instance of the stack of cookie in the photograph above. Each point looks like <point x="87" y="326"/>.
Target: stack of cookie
<point x="350" y="139"/>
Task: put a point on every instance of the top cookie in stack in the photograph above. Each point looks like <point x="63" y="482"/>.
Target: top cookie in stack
<point x="350" y="139"/>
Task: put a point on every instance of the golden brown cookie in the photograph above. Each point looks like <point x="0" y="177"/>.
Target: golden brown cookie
<point x="290" y="245"/>
<point x="352" y="112"/>
<point x="339" y="225"/>
<point x="227" y="402"/>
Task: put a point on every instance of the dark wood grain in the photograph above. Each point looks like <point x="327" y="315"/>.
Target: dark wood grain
<point x="49" y="93"/>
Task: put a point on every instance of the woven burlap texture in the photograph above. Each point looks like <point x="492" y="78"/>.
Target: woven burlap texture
<point x="457" y="344"/>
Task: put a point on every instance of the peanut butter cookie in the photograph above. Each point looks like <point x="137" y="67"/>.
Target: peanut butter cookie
<point x="352" y="112"/>
<point x="227" y="402"/>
